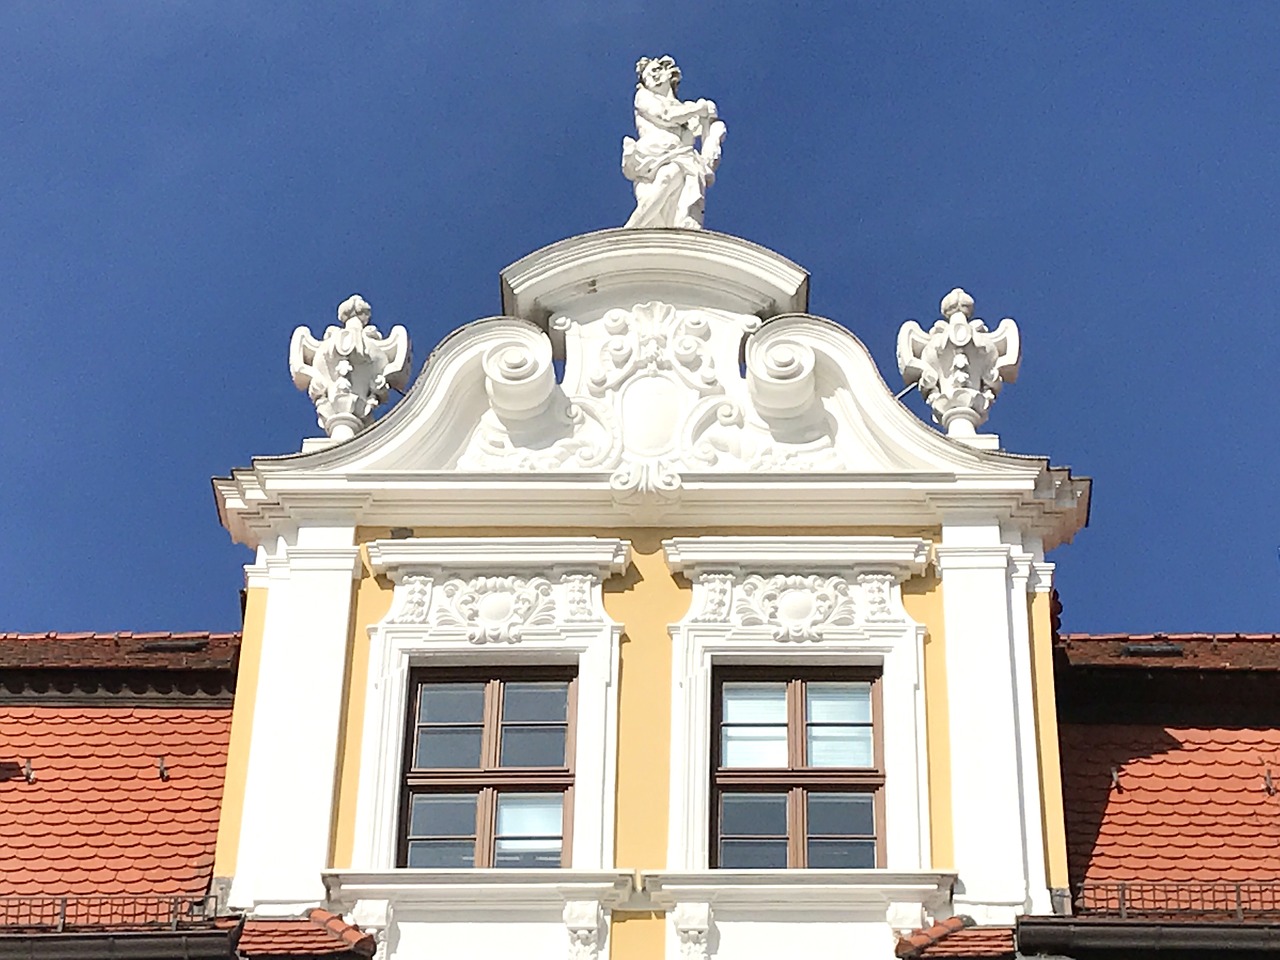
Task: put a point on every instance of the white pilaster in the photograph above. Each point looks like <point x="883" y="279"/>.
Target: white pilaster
<point x="982" y="702"/>
<point x="1028" y="747"/>
<point x="289" y="786"/>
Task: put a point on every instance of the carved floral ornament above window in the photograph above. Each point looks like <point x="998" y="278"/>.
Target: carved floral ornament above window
<point x="797" y="608"/>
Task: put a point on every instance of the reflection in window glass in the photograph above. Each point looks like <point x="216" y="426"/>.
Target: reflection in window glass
<point x="529" y="830"/>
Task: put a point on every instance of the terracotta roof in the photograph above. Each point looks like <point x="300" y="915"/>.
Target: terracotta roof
<point x="320" y="934"/>
<point x="1191" y="804"/>
<point x="1196" y="651"/>
<point x="98" y="818"/>
<point x="958" y="937"/>
<point x="126" y="651"/>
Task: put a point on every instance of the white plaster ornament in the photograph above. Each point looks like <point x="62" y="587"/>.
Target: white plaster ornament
<point x="959" y="365"/>
<point x="348" y="372"/>
<point x="670" y="176"/>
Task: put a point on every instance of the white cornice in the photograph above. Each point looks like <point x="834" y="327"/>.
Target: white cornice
<point x="903" y="556"/>
<point x="481" y="889"/>
<point x="787" y="891"/>
<point x="715" y="269"/>
<point x="395" y="557"/>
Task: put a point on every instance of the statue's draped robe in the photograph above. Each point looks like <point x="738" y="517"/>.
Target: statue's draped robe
<point x="670" y="176"/>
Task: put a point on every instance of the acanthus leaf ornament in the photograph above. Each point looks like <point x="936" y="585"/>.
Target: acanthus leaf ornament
<point x="795" y="608"/>
<point x="348" y="372"/>
<point x="496" y="609"/>
<point x="958" y="365"/>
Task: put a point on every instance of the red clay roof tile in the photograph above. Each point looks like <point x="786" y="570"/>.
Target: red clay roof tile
<point x="122" y="650"/>
<point x="1191" y="804"/>
<point x="1199" y="651"/>
<point x="320" y="934"/>
<point x="97" y="819"/>
<point x="958" y="937"/>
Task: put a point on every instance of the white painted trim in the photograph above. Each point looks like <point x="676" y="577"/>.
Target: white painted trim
<point x="423" y="629"/>
<point x="900" y="555"/>
<point x="779" y="892"/>
<point x="396" y="557"/>
<point x="451" y="890"/>
<point x="711" y="269"/>
<point x="874" y="630"/>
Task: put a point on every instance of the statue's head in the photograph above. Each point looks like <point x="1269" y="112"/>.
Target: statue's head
<point x="659" y="74"/>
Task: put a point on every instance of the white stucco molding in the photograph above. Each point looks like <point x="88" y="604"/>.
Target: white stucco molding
<point x="493" y="602"/>
<point x="777" y="893"/>
<point x="710" y="269"/>
<point x="902" y="556"/>
<point x="690" y="388"/>
<point x="581" y="900"/>
<point x="1042" y="573"/>
<point x="397" y="557"/>
<point x="817" y="600"/>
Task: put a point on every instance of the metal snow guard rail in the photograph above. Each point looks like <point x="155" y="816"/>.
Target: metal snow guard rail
<point x="1239" y="901"/>
<point x="137" y="913"/>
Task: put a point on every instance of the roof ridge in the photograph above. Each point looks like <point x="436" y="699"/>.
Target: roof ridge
<point x="118" y="634"/>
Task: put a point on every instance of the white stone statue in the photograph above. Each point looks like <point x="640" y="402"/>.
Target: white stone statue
<point x="958" y="365"/>
<point x="670" y="176"/>
<point x="348" y="371"/>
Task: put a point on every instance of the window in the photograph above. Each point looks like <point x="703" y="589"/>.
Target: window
<point x="797" y="769"/>
<point x="488" y="776"/>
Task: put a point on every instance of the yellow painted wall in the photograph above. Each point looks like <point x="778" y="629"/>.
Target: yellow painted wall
<point x="1045" y="702"/>
<point x="255" y="612"/>
<point x="922" y="598"/>
<point x="646" y="599"/>
<point x="372" y="601"/>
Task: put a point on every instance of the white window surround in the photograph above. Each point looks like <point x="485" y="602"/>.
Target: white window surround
<point x="798" y="601"/>
<point x="492" y="602"/>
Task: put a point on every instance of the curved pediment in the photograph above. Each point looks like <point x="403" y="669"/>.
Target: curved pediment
<point x="629" y="409"/>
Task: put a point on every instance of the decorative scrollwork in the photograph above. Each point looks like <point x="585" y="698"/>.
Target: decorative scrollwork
<point x="497" y="609"/>
<point x="795" y="608"/>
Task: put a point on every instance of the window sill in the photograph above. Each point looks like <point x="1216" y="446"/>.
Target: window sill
<point x="776" y="893"/>
<point x="483" y="888"/>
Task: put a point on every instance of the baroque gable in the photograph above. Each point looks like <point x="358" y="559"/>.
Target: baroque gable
<point x="641" y="370"/>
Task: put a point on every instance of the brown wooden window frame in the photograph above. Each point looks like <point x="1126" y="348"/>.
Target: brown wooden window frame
<point x="798" y="780"/>
<point x="489" y="779"/>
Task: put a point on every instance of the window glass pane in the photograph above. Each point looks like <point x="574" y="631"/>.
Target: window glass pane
<point x="753" y="854"/>
<point x="541" y="852"/>
<point x="753" y="814"/>
<point x="757" y="703"/>
<point x="842" y="815"/>
<point x="753" y="746"/>
<point x="530" y="814"/>
<point x="451" y="703"/>
<point x="849" y="854"/>
<point x="451" y="747"/>
<point x="532" y="747"/>
<point x="838" y="702"/>
<point x="528" y="830"/>
<point x="535" y="702"/>
<point x="443" y="815"/>
<point x="442" y="853"/>
<point x="839" y="747"/>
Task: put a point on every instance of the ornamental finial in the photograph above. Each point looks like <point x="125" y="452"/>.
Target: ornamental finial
<point x="670" y="176"/>
<point x="958" y="365"/>
<point x="348" y="372"/>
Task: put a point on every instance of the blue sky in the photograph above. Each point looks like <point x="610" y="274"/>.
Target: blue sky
<point x="183" y="184"/>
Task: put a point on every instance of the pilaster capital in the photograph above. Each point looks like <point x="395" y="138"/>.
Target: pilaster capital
<point x="969" y="557"/>
<point x="1041" y="581"/>
<point x="345" y="560"/>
